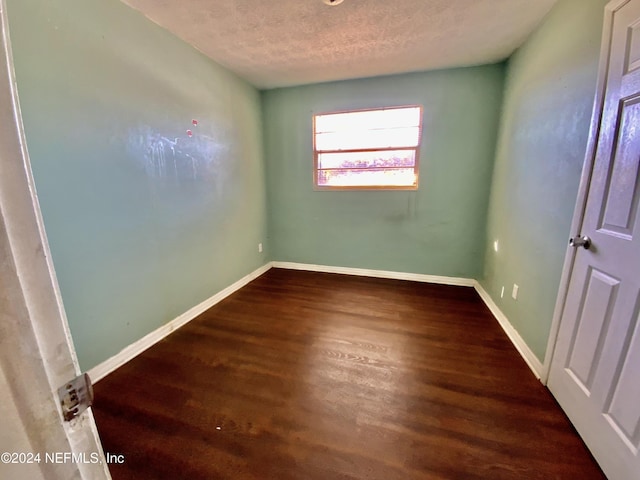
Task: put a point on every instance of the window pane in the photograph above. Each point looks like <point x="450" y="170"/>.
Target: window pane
<point x="369" y="120"/>
<point x="388" y="177"/>
<point x="384" y="158"/>
<point x="368" y="148"/>
<point x="357" y="138"/>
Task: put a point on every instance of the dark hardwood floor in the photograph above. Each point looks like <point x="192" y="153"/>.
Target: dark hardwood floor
<point x="318" y="376"/>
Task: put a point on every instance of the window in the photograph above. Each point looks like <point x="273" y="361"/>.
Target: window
<point x="367" y="149"/>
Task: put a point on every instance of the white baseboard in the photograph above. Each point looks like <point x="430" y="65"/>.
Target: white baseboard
<point x="103" y="369"/>
<point x="527" y="354"/>
<point x="363" y="272"/>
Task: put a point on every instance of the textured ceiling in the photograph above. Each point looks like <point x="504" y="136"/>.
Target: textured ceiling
<point x="292" y="42"/>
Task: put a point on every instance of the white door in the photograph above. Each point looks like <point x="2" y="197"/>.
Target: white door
<point x="36" y="353"/>
<point x="595" y="371"/>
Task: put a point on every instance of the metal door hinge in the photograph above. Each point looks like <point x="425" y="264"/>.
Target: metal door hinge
<point x="75" y="396"/>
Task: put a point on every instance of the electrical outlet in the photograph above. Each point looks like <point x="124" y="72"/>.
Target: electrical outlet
<point x="260" y="248"/>
<point x="502" y="292"/>
<point x="514" y="292"/>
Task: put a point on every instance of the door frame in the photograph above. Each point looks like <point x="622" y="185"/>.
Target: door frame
<point x="37" y="355"/>
<point x="585" y="181"/>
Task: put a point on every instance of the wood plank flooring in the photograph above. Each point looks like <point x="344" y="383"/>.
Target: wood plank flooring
<point x="304" y="375"/>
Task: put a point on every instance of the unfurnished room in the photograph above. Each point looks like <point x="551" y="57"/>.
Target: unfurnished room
<point x="320" y="239"/>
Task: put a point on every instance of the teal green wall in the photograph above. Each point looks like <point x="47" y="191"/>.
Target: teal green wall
<point x="548" y="98"/>
<point x="145" y="222"/>
<point x="438" y="229"/>
<point x="139" y="232"/>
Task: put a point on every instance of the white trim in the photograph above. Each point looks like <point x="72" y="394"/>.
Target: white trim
<point x="585" y="180"/>
<point x="38" y="354"/>
<point x="527" y="354"/>
<point x="363" y="272"/>
<point x="128" y="353"/>
<point x="100" y="371"/>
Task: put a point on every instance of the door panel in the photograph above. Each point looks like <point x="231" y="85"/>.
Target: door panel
<point x="625" y="414"/>
<point x="633" y="52"/>
<point x="592" y="324"/>
<point x="595" y="371"/>
<point x="621" y="200"/>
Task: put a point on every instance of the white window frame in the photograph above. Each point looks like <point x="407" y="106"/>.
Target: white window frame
<point x="415" y="148"/>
